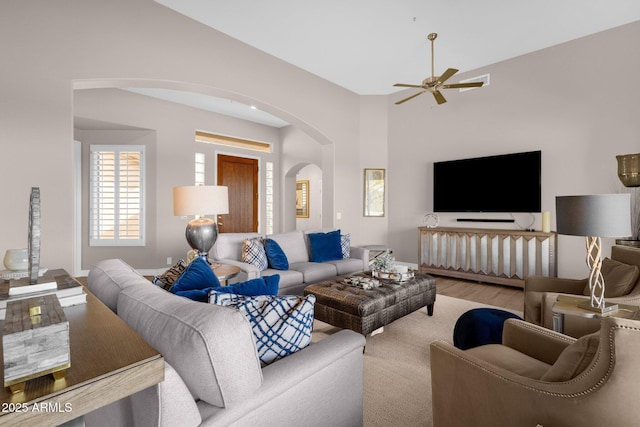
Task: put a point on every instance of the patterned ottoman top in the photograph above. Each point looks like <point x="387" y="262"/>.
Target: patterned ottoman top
<point x="362" y="302"/>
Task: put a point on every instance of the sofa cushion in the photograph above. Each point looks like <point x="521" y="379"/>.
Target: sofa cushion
<point x="275" y="255"/>
<point x="619" y="278"/>
<point x="293" y="245"/>
<point x="325" y="246"/>
<point x="574" y="359"/>
<point x="288" y="278"/>
<point x="108" y="277"/>
<point x="168" y="278"/>
<point x="197" y="340"/>
<point x="253" y="253"/>
<point x="281" y="325"/>
<point x="313" y="272"/>
<point x="345" y="244"/>
<point x="197" y="275"/>
<point x="511" y="360"/>
<point x="229" y="245"/>
<point x="347" y="265"/>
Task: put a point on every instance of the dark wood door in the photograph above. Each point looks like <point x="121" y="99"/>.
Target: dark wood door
<point x="241" y="176"/>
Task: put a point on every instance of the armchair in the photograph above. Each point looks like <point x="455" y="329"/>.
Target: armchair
<point x="540" y="293"/>
<point x="539" y="377"/>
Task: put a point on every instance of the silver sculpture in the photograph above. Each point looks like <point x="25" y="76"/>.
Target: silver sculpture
<point x="34" y="235"/>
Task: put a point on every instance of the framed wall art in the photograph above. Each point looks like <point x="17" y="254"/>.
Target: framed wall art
<point x="374" y="189"/>
<point x="302" y="199"/>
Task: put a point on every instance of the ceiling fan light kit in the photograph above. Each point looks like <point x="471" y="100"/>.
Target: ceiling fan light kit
<point x="433" y="84"/>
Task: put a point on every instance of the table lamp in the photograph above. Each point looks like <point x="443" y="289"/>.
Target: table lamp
<point x="594" y="216"/>
<point x="201" y="200"/>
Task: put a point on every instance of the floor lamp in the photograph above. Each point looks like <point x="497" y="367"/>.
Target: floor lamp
<point x="201" y="200"/>
<point x="594" y="216"/>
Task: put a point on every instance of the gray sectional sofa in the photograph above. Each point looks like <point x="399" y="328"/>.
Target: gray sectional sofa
<point x="295" y="245"/>
<point x="213" y="376"/>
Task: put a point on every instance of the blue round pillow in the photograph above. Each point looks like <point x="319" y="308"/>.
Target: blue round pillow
<point x="480" y="326"/>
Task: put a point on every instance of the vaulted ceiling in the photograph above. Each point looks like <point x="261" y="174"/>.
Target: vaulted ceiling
<point x="366" y="46"/>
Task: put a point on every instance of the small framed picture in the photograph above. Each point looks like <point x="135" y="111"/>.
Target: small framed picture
<point x="374" y="188"/>
<point x="302" y="199"/>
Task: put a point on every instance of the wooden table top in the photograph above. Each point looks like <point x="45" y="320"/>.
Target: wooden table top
<point x="109" y="361"/>
<point x="225" y="271"/>
<point x="566" y="304"/>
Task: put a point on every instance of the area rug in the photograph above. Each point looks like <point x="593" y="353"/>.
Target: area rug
<point x="397" y="376"/>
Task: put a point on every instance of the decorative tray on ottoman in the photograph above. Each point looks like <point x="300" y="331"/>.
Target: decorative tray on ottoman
<point x="362" y="282"/>
<point x="392" y="275"/>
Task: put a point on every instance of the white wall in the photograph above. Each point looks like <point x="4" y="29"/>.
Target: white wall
<point x="577" y="102"/>
<point x="313" y="174"/>
<point x="170" y="161"/>
<point x="53" y="47"/>
<point x="375" y="149"/>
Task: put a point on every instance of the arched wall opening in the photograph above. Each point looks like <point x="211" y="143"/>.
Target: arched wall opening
<point x="297" y="141"/>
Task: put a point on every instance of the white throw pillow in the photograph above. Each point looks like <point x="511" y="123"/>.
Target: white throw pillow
<point x="281" y="324"/>
<point x="253" y="253"/>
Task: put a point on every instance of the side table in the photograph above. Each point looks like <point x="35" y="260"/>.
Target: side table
<point x="109" y="361"/>
<point x="569" y="305"/>
<point x="225" y="272"/>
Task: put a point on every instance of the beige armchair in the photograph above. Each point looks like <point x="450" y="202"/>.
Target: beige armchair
<point x="538" y="377"/>
<point x="540" y="293"/>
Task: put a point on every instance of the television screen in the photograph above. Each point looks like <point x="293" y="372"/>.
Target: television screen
<point x="503" y="183"/>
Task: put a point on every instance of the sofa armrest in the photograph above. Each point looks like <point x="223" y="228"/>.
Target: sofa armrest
<point x="250" y="270"/>
<point x="360" y="253"/>
<point x="535" y="341"/>
<point x="468" y="391"/>
<point x="554" y="284"/>
<point x="323" y="381"/>
<point x="166" y="404"/>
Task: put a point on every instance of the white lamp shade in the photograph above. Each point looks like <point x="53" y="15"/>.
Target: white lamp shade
<point x="200" y="200"/>
<point x="601" y="215"/>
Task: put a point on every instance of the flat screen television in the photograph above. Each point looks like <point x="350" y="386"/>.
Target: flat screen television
<point x="502" y="183"/>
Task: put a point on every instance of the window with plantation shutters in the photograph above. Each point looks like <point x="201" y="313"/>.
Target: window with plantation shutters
<point x="117" y="195"/>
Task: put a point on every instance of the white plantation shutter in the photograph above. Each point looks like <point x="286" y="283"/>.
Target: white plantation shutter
<point x="117" y="195"/>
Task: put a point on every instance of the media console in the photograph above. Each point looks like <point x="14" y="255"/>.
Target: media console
<point x="487" y="255"/>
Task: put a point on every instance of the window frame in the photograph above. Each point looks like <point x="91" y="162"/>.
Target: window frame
<point x="94" y="210"/>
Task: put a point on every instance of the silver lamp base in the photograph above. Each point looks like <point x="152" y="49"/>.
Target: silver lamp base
<point x="201" y="234"/>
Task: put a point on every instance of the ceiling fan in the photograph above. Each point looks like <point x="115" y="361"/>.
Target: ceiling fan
<point x="433" y="84"/>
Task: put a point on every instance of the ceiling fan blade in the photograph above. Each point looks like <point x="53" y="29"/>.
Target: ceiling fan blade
<point x="439" y="98"/>
<point x="411" y="97"/>
<point x="447" y="75"/>
<point x="406" y="85"/>
<point x="462" y="85"/>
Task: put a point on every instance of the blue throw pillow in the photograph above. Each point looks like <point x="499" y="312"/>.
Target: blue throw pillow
<point x="275" y="255"/>
<point x="200" y="295"/>
<point x="325" y="246"/>
<point x="197" y="275"/>
<point x="267" y="285"/>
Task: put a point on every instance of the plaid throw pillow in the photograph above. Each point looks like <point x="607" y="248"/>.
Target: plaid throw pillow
<point x="253" y="253"/>
<point x="166" y="279"/>
<point x="345" y="244"/>
<point x="281" y="324"/>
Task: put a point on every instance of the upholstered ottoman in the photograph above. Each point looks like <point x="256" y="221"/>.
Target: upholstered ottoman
<point x="480" y="326"/>
<point x="365" y="310"/>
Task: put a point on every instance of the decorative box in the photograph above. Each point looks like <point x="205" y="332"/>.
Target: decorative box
<point x="35" y="341"/>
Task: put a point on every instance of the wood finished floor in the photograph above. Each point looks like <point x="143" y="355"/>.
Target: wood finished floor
<point x="497" y="295"/>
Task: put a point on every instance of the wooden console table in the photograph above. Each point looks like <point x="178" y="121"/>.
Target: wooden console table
<point x="487" y="255"/>
<point x="109" y="361"/>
